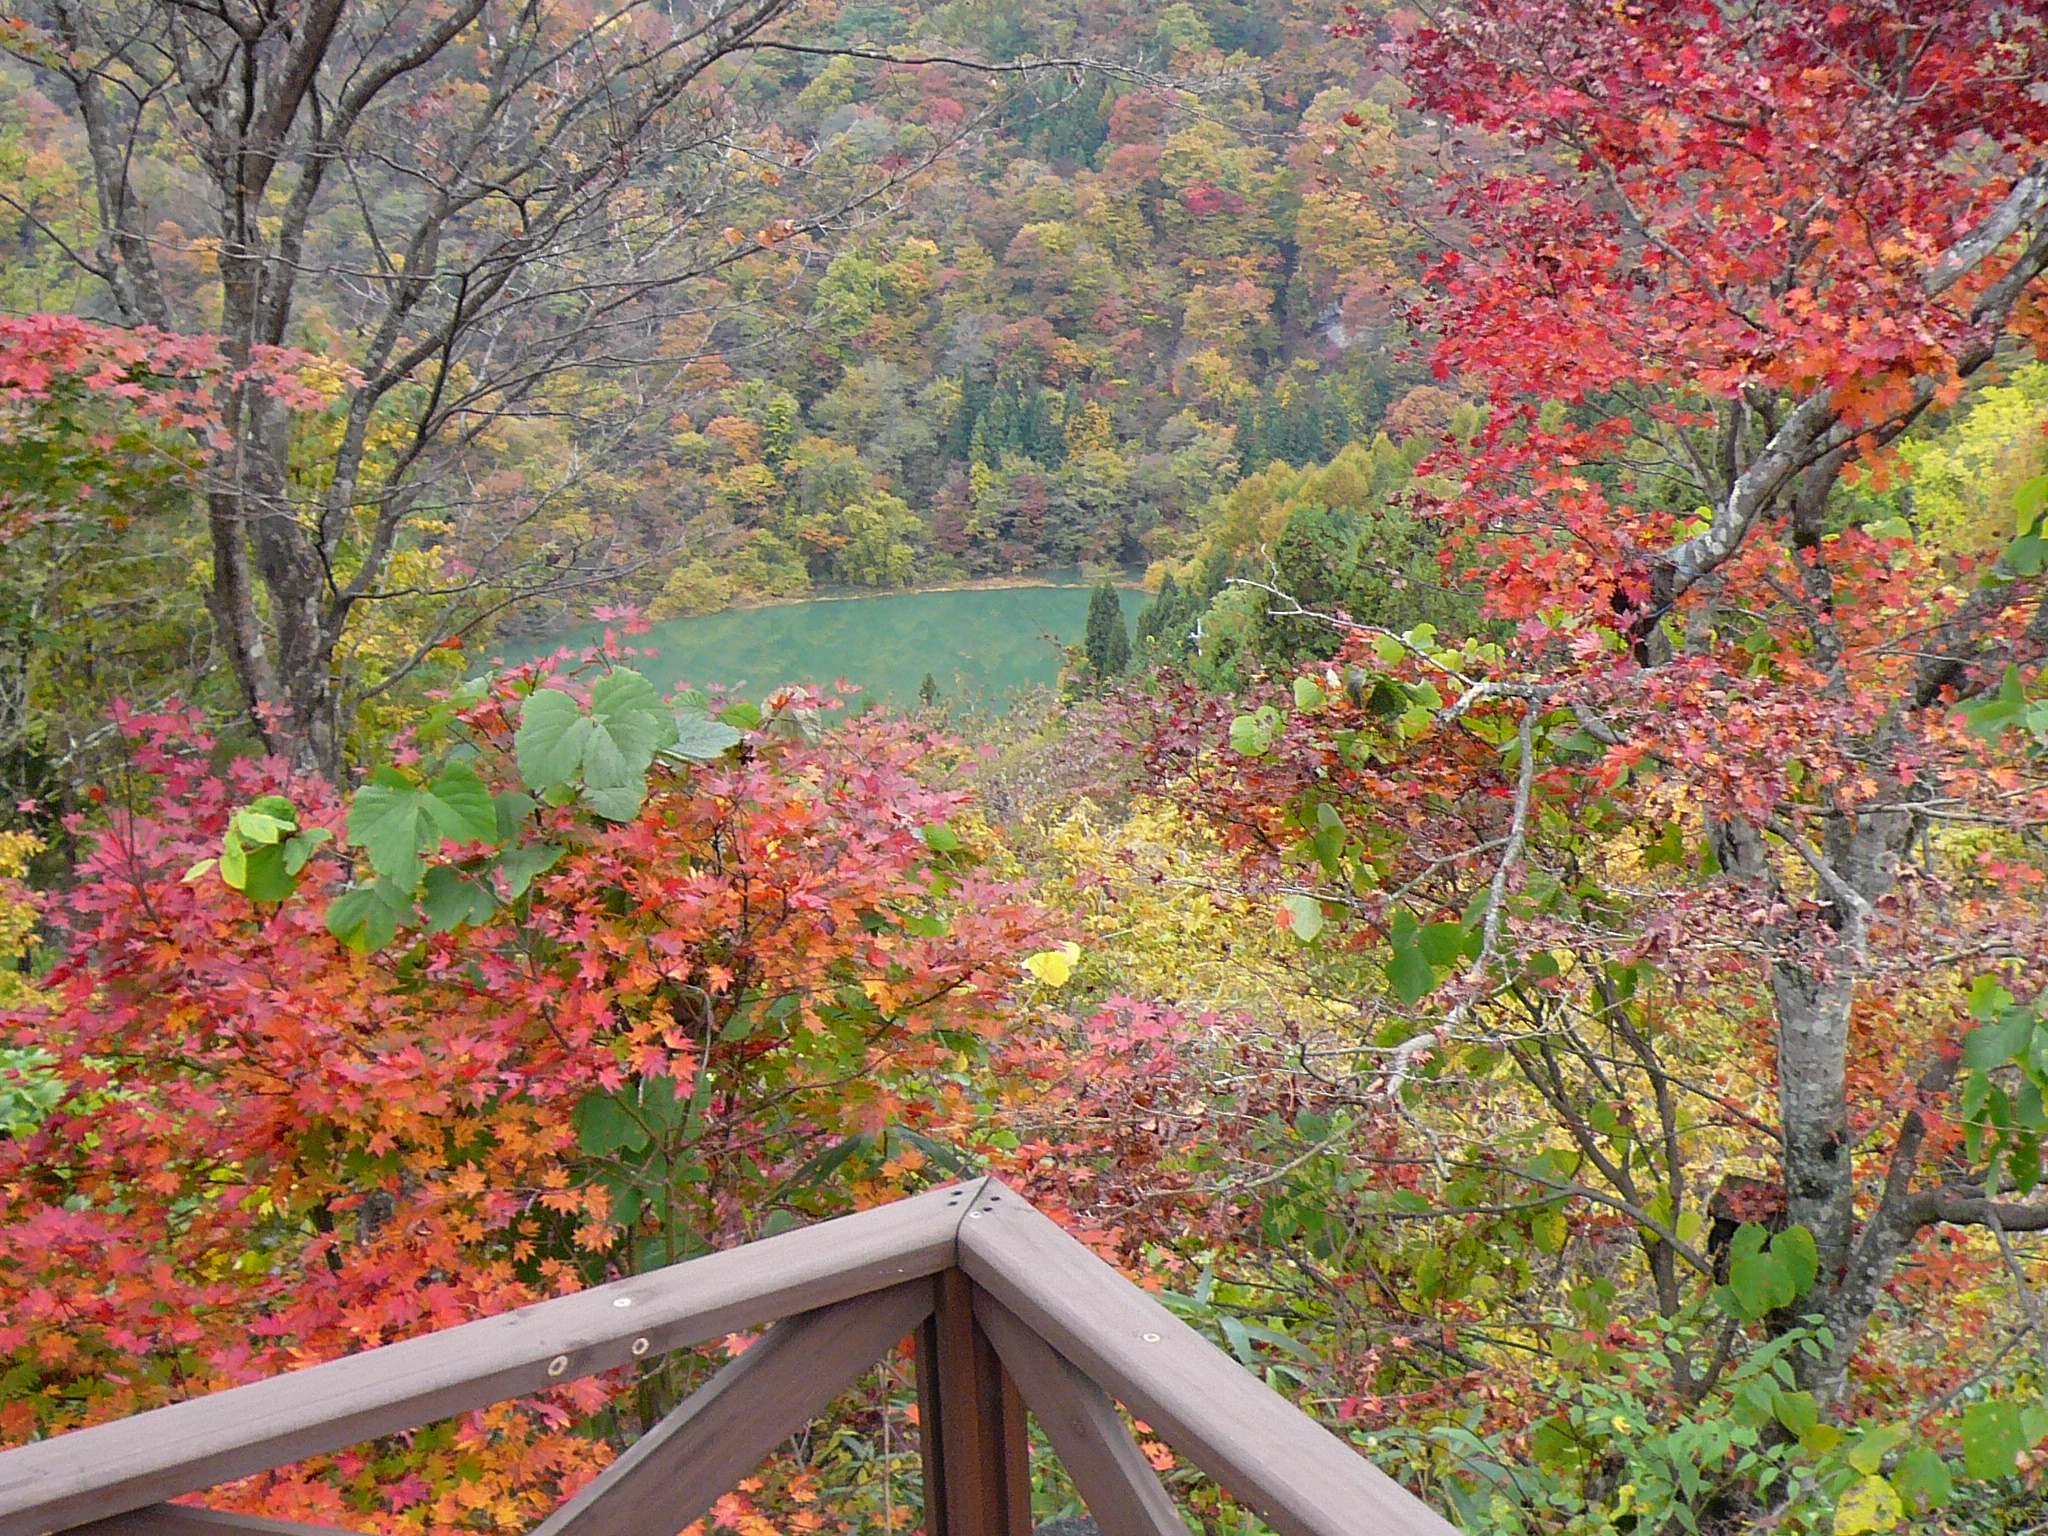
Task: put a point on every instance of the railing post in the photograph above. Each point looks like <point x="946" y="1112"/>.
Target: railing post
<point x="977" y="1457"/>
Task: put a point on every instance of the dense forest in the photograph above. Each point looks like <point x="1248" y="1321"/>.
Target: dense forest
<point x="1533" y="942"/>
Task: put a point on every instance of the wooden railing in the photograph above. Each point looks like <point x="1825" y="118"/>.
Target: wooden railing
<point x="1009" y="1313"/>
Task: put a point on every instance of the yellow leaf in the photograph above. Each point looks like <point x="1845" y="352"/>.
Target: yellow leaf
<point x="1871" y="1504"/>
<point x="1055" y="967"/>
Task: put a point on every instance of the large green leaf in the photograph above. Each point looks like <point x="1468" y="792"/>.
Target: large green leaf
<point x="1993" y="1045"/>
<point x="521" y="865"/>
<point x="603" y="1126"/>
<point x="1796" y="1251"/>
<point x="1768" y="1273"/>
<point x="367" y="918"/>
<point x="301" y="847"/>
<point x="259" y="854"/>
<point x="700" y="739"/>
<point x="1441" y="942"/>
<point x="265" y="877"/>
<point x="1922" y="1477"/>
<point x="1410" y="973"/>
<point x="608" y="749"/>
<point x="450" y="897"/>
<point x="1993" y="1438"/>
<point x="395" y="819"/>
<point x="550" y="739"/>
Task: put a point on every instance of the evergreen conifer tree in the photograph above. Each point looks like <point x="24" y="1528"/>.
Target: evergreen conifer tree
<point x="1107" y="642"/>
<point x="966" y="417"/>
<point x="1244" y="442"/>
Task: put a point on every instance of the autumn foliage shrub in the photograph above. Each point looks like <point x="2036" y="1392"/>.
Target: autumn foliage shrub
<point x="742" y="1006"/>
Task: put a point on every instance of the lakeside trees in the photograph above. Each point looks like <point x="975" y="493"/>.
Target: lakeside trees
<point x="491" y="220"/>
<point x="1543" y="959"/>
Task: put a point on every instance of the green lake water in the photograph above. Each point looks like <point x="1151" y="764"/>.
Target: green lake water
<point x="984" y="643"/>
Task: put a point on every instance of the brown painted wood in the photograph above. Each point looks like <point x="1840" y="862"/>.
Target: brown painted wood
<point x="930" y="1428"/>
<point x="676" y="1471"/>
<point x="1266" y="1452"/>
<point x="977" y="1452"/>
<point x="94" y="1473"/>
<point x="187" y="1520"/>
<point x="1117" y="1483"/>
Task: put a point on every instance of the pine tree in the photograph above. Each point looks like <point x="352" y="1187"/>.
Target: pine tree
<point x="1159" y="619"/>
<point x="1107" y="642"/>
<point x="928" y="691"/>
<point x="966" y="417"/>
<point x="1031" y="432"/>
<point x="1244" y="442"/>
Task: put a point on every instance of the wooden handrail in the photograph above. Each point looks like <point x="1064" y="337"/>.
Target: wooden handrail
<point x="1265" y="1451"/>
<point x="1007" y="1298"/>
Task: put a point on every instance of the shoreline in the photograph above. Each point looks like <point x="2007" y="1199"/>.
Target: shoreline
<point x="863" y="594"/>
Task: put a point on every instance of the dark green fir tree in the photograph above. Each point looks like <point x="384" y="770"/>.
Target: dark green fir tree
<point x="1107" y="642"/>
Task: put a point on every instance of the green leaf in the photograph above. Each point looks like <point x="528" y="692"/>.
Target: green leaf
<point x="1308" y="694"/>
<point x="1668" y="849"/>
<point x="940" y="838"/>
<point x="265" y="877"/>
<point x="1868" y="1454"/>
<point x="367" y="918"/>
<point x="1993" y="1045"/>
<point x="451" y="897"/>
<point x="608" y="749"/>
<point x="662" y="1104"/>
<point x="1550" y="1230"/>
<point x="1820" y="1439"/>
<point x="603" y="1126"/>
<point x="395" y="820"/>
<point x="1441" y="942"/>
<point x="1992" y="1439"/>
<point x="262" y="828"/>
<point x="550" y="739"/>
<point x="513" y="808"/>
<point x="1988" y="1000"/>
<point x="617" y="802"/>
<point x="1411" y="974"/>
<point x="522" y="865"/>
<point x="632" y="725"/>
<point x="1797" y="1411"/>
<point x="300" y="848"/>
<point x="1922" y="1478"/>
<point x="1794" y="1249"/>
<point x="460" y="804"/>
<point x="1989" y="718"/>
<point x="1304" y="917"/>
<point x="2029" y="501"/>
<point x="234" y="860"/>
<point x="702" y="740"/>
<point x="1252" y="734"/>
<point x="1760" y="1281"/>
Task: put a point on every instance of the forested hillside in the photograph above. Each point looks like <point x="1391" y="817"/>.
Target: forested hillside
<point x="1533" y="941"/>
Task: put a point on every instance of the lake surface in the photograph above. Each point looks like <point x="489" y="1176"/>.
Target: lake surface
<point x="977" y="643"/>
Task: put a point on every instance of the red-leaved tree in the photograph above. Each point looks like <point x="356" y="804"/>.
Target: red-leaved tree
<point x="1715" y="769"/>
<point x="626" y="1041"/>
